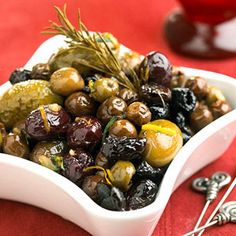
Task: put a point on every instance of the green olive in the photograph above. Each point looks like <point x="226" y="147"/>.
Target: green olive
<point x="121" y="174"/>
<point x="164" y="139"/>
<point x="24" y="97"/>
<point x="66" y="81"/>
<point x="103" y="88"/>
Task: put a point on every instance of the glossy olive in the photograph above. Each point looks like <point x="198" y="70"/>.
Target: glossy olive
<point x="220" y="108"/>
<point x="122" y="128"/>
<point x="122" y="173"/>
<point x="79" y="104"/>
<point x="85" y="132"/>
<point x="45" y="152"/>
<point x="15" y="145"/>
<point x="138" y="113"/>
<point x="66" y="81"/>
<point x="75" y="164"/>
<point x="214" y="94"/>
<point x="164" y="139"/>
<point x="198" y="85"/>
<point x="128" y="95"/>
<point x="113" y="106"/>
<point x="47" y="122"/>
<point x="200" y="117"/>
<point x="89" y="185"/>
<point x="41" y="71"/>
<point x="104" y="88"/>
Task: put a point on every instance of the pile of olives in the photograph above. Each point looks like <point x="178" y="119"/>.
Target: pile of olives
<point x="113" y="142"/>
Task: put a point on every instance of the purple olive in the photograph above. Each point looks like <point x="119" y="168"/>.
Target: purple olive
<point x="47" y="122"/>
<point x="85" y="132"/>
<point x="75" y="164"/>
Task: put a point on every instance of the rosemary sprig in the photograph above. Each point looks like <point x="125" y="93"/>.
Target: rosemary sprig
<point x="81" y="37"/>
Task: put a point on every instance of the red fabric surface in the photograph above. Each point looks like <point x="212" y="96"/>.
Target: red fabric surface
<point x="138" y="25"/>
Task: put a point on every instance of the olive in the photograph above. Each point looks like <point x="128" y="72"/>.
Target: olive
<point x="3" y="134"/>
<point x="89" y="185"/>
<point x="19" y="75"/>
<point x="220" y="108"/>
<point x="104" y="88"/>
<point x="85" y="132"/>
<point x="159" y="111"/>
<point x="154" y="93"/>
<point x="49" y="154"/>
<point x="159" y="68"/>
<point x="128" y="95"/>
<point x="111" y="198"/>
<point x="66" y="81"/>
<point x="24" y="97"/>
<point x="138" y="113"/>
<point x="178" y="77"/>
<point x="146" y="171"/>
<point x="200" y="117"/>
<point x="15" y="145"/>
<point x="41" y="71"/>
<point x="142" y="194"/>
<point x="75" y="164"/>
<point x="87" y="80"/>
<point x="47" y="122"/>
<point x="79" y="104"/>
<point x="121" y="174"/>
<point x="164" y="139"/>
<point x="198" y="85"/>
<point x="213" y="95"/>
<point x="101" y="160"/>
<point x="112" y="106"/>
<point x="123" y="128"/>
<point x="123" y="148"/>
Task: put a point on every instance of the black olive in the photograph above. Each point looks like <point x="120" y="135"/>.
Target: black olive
<point x="123" y="148"/>
<point x="142" y="194"/>
<point x="159" y="111"/>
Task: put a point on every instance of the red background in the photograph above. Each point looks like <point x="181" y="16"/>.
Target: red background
<point x="138" y="25"/>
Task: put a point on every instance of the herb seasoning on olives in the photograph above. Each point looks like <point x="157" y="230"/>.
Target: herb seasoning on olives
<point x="107" y="120"/>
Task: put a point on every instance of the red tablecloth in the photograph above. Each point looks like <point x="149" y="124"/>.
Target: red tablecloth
<point x="137" y="24"/>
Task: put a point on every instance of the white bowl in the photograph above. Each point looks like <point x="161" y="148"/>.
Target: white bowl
<point x="24" y="181"/>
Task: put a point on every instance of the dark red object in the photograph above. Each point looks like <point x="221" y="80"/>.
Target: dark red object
<point x="137" y="24"/>
<point x="85" y="132"/>
<point x="203" y="28"/>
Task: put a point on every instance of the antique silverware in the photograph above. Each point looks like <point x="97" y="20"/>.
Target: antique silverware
<point x="211" y="187"/>
<point x="227" y="214"/>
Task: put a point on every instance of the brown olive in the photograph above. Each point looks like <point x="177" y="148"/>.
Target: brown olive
<point x="128" y="95"/>
<point x="48" y="153"/>
<point x="41" y="71"/>
<point x="89" y="185"/>
<point x="80" y="103"/>
<point x="15" y="145"/>
<point x="213" y="95"/>
<point x="122" y="128"/>
<point x="178" y="77"/>
<point x="198" y="85"/>
<point x="101" y="160"/>
<point x="200" y="117"/>
<point x="66" y="81"/>
<point x="138" y="113"/>
<point x="219" y="108"/>
<point x="112" y="106"/>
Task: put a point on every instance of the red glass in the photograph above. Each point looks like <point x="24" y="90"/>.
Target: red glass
<point x="203" y="28"/>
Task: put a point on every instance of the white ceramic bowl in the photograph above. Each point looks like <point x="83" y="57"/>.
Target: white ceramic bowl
<point x="24" y="181"/>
